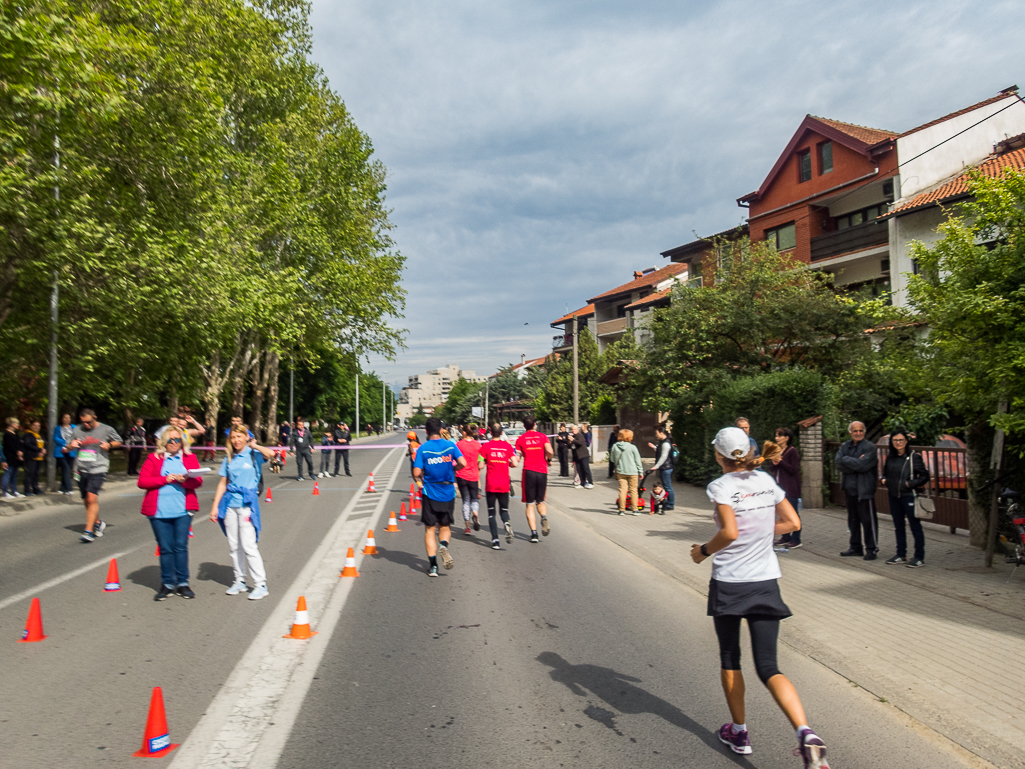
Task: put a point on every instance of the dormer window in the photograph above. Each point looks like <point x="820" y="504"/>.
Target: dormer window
<point x="804" y="166"/>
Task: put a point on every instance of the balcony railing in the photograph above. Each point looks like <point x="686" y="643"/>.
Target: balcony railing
<point x="612" y="326"/>
<point x="874" y="233"/>
<point x="562" y="340"/>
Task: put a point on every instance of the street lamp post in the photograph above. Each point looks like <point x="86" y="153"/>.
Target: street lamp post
<point x="576" y="370"/>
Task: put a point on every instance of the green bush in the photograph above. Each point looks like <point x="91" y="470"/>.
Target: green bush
<point x="603" y="410"/>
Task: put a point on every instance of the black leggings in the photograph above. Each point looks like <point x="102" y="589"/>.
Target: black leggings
<point x="764" y="632"/>
<point x="502" y="498"/>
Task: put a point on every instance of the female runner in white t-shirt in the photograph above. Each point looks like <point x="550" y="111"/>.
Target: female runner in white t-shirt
<point x="751" y="510"/>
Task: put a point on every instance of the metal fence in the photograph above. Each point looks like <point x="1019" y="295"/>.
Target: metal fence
<point x="947" y="486"/>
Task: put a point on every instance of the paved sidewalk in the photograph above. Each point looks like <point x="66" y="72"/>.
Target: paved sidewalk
<point x="945" y="644"/>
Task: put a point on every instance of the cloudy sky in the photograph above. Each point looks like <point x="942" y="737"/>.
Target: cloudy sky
<point x="539" y="152"/>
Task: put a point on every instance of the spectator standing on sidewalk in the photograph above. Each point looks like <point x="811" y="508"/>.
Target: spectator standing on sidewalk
<point x="136" y="443"/>
<point x="581" y="458"/>
<point x="904" y="473"/>
<point x="562" y="442"/>
<point x="284" y="433"/>
<point x="93" y="440"/>
<point x="749" y="509"/>
<point x="65" y="457"/>
<point x="786" y="471"/>
<point x="342" y="437"/>
<point x="858" y="462"/>
<point x="14" y="454"/>
<point x="301" y="443"/>
<point x="325" y="454"/>
<point x="744" y="424"/>
<point x="170" y="503"/>
<point x="664" y="463"/>
<point x="627" y="460"/>
<point x="613" y="437"/>
<point x="34" y="451"/>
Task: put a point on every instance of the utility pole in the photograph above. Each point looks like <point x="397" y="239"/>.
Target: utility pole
<point x="291" y="387"/>
<point x="487" y="396"/>
<point x="576" y="370"/>
<point x="384" y="410"/>
<point x="357" y="399"/>
<point x="51" y="406"/>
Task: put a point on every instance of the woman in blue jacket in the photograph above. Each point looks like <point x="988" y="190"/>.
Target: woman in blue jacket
<point x="65" y="456"/>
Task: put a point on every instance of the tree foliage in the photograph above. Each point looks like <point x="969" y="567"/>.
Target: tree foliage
<point x="218" y="208"/>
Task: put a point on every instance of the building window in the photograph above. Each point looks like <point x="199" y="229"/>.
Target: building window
<point x="783" y="238"/>
<point x="855" y="218"/>
<point x="825" y="157"/>
<point x="804" y="166"/>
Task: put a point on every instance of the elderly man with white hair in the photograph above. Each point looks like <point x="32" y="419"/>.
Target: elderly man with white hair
<point x="858" y="462"/>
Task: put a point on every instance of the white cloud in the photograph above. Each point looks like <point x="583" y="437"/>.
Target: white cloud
<point x="539" y="152"/>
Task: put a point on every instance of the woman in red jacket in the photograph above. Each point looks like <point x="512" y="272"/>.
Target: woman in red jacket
<point x="170" y="503"/>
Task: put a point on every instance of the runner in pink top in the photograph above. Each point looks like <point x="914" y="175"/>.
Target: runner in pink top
<point x="537" y="452"/>
<point x="468" y="478"/>
<point x="498" y="457"/>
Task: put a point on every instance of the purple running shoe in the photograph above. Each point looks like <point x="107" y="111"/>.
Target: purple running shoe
<point x="739" y="742"/>
<point x="812" y="750"/>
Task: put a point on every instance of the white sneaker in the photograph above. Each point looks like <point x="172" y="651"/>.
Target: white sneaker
<point x="588" y="485"/>
<point x="238" y="587"/>
<point x="9" y="496"/>
<point x="19" y="495"/>
<point x="260" y="591"/>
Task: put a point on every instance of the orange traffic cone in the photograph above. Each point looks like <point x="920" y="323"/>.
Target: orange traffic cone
<point x="402" y="512"/>
<point x="113" y="583"/>
<point x="371" y="547"/>
<point x="350" y="565"/>
<point x="156" y="740"/>
<point x="301" y="626"/>
<point x="392" y="525"/>
<point x="411" y="487"/>
<point x="156" y="553"/>
<point x="370" y="485"/>
<point x="316" y="489"/>
<point x="34" y="625"/>
<point x="269" y="497"/>
<point x="190" y="532"/>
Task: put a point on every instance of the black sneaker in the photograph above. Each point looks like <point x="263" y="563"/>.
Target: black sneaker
<point x="163" y="593"/>
<point x="495" y="545"/>
<point x="544" y="525"/>
<point x="98" y="528"/>
<point x="794" y="545"/>
<point x="533" y="537"/>
<point x="895" y="560"/>
<point x="870" y="555"/>
<point x="915" y="563"/>
<point x="185" y="591"/>
<point x="852" y="552"/>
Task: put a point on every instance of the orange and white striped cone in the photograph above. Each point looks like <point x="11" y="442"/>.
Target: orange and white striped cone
<point x="392" y="524"/>
<point x="269" y="497"/>
<point x="402" y="512"/>
<point x="350" y="565"/>
<point x="301" y="627"/>
<point x="371" y="547"/>
<point x="316" y="489"/>
<point x="370" y="485"/>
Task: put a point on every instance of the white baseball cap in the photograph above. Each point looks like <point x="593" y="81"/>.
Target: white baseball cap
<point x="732" y="443"/>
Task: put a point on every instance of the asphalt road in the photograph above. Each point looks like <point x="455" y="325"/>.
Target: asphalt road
<point x="572" y="653"/>
<point x="79" y="698"/>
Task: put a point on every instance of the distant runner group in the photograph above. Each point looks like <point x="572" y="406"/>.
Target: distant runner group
<point x="441" y="466"/>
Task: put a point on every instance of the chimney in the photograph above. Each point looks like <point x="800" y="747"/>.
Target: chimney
<point x="523" y="359"/>
<point x="638" y="274"/>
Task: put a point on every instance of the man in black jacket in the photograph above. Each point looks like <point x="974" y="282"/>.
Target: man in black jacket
<point x="858" y="461"/>
<point x="342" y="437"/>
<point x="301" y="443"/>
<point x="613" y="437"/>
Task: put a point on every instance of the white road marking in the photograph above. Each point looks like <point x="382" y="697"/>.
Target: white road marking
<point x="248" y="722"/>
<point x="33" y="591"/>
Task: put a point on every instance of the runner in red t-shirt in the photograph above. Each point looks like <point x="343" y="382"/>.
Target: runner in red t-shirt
<point x="498" y="458"/>
<point x="537" y="452"/>
<point x="468" y="479"/>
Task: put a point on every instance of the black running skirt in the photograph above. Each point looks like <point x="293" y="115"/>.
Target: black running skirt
<point x="743" y="598"/>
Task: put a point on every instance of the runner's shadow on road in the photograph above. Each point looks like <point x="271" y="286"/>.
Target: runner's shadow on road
<point x="403" y="558"/>
<point x="147" y="576"/>
<point x="621" y="692"/>
<point x="78" y="528"/>
<point x="216" y="572"/>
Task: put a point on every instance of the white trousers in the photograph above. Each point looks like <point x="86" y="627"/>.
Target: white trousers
<point x="240" y="531"/>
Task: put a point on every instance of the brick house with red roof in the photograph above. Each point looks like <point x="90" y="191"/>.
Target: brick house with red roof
<point x="822" y="199"/>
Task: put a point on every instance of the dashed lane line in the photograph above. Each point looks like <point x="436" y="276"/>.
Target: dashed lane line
<point x="248" y="722"/>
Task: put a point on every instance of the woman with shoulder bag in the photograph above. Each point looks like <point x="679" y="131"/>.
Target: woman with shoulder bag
<point x="903" y="473"/>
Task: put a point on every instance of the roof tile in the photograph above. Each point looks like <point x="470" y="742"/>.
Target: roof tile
<point x="983" y="103"/>
<point x="583" y="312"/>
<point x="645" y="281"/>
<point x="859" y="132"/>
<point x="650" y="299"/>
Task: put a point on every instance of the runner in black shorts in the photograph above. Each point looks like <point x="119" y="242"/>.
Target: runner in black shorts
<point x="435" y="465"/>
<point x="537" y="452"/>
<point x="535" y="485"/>
<point x="437" y="513"/>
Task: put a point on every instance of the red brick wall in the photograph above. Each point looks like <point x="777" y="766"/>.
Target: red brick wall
<point x="811" y="220"/>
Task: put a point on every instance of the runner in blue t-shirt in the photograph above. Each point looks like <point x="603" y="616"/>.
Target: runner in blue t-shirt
<point x="434" y="468"/>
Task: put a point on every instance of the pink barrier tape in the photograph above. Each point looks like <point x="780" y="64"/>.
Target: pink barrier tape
<point x="285" y="448"/>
